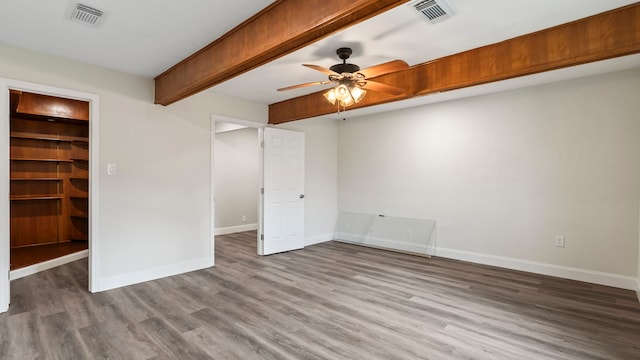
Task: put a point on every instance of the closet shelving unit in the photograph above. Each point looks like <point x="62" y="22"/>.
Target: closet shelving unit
<point x="49" y="174"/>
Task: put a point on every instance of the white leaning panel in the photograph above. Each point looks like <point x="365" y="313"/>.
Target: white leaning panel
<point x="388" y="232"/>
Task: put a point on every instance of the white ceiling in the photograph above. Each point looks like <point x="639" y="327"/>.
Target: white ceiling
<point x="145" y="37"/>
<point x="142" y="37"/>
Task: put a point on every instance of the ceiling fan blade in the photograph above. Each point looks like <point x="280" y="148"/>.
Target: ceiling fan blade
<point x="323" y="70"/>
<point x="385" y="68"/>
<point x="376" y="86"/>
<point x="304" y="85"/>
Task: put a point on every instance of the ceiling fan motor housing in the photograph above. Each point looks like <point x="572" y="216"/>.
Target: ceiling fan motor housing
<point x="343" y="54"/>
<point x="345" y="68"/>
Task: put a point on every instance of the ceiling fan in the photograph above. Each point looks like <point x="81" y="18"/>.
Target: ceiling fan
<point x="351" y="82"/>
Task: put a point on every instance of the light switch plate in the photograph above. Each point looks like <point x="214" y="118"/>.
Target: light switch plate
<point x="111" y="169"/>
<point x="559" y="240"/>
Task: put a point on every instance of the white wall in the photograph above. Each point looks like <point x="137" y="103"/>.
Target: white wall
<point x="237" y="178"/>
<point x="503" y="173"/>
<point x="155" y="214"/>
<point x="321" y="136"/>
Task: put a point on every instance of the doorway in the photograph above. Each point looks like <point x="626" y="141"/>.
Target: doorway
<point x="51" y="183"/>
<point x="237" y="175"/>
<point x="280" y="215"/>
<point x="49" y="177"/>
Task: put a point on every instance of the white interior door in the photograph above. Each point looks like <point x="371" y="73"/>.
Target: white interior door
<point x="283" y="201"/>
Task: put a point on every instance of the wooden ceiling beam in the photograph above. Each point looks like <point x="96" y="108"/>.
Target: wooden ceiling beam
<point x="279" y="29"/>
<point x="611" y="34"/>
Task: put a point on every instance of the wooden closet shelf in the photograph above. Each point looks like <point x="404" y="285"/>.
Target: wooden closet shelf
<point x="36" y="179"/>
<point x="84" y="197"/>
<point x="17" y="135"/>
<point x="36" y="197"/>
<point x="44" y="160"/>
<point x="80" y="216"/>
<point x="79" y="178"/>
<point x="76" y="159"/>
<point x="34" y="137"/>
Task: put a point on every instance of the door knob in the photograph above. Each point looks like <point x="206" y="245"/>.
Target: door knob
<point x="301" y="196"/>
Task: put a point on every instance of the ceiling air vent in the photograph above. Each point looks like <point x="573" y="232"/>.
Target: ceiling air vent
<point x="85" y="14"/>
<point x="433" y="11"/>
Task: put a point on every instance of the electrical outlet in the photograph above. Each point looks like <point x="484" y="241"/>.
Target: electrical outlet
<point x="244" y="218"/>
<point x="559" y="241"/>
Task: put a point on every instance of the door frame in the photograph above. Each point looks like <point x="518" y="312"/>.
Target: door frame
<point x="94" y="174"/>
<point x="247" y="123"/>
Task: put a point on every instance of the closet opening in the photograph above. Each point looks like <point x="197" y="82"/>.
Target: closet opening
<point x="49" y="178"/>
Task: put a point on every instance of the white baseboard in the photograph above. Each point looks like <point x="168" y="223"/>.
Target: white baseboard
<point x="116" y="281"/>
<point x="595" y="277"/>
<point x="318" y="239"/>
<point x="638" y="288"/>
<point x="36" y="268"/>
<point x="235" y="229"/>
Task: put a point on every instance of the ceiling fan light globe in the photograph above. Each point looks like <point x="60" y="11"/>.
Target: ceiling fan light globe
<point x="358" y="94"/>
<point x="330" y="96"/>
<point x="347" y="102"/>
<point x="342" y="92"/>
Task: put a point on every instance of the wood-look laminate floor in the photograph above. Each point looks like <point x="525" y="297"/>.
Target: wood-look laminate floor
<point x="328" y="301"/>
